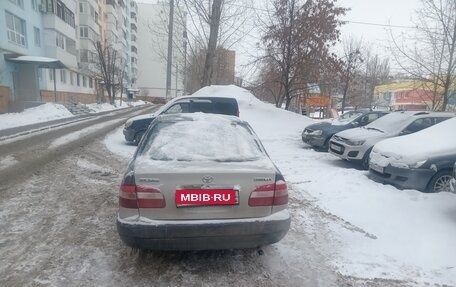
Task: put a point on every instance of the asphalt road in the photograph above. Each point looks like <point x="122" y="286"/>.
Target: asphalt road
<point x="58" y="205"/>
<point x="33" y="147"/>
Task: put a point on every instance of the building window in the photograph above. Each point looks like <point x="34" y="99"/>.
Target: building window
<point x="90" y="83"/>
<point x="51" y="75"/>
<point x="63" y="76"/>
<point x="35" y="5"/>
<point x="84" y="32"/>
<point x="82" y="7"/>
<point x="15" y="28"/>
<point x="37" y="37"/>
<point x="50" y="6"/>
<point x="71" y="78"/>
<point x="60" y="40"/>
<point x="78" y="80"/>
<point x="84" y="81"/>
<point x="84" y="56"/>
<point x="19" y="3"/>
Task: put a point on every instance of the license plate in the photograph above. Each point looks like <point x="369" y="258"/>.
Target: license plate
<point x="336" y="148"/>
<point x="203" y="197"/>
<point x="376" y="167"/>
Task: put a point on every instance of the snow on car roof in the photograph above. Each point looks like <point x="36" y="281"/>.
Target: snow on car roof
<point x="435" y="140"/>
<point x="202" y="137"/>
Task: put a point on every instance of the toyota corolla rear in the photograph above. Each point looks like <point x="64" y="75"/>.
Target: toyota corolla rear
<point x="202" y="181"/>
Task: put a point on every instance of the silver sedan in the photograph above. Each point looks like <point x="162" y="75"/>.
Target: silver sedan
<point x="202" y="181"/>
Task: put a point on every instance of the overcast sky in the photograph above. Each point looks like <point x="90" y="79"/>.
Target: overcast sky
<point x="394" y="12"/>
<point x="383" y="12"/>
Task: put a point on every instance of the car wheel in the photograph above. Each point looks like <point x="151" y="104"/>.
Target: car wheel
<point x="365" y="162"/>
<point x="138" y="137"/>
<point x="440" y="182"/>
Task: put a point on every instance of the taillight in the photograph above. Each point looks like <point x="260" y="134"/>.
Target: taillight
<point x="149" y="197"/>
<point x="133" y="196"/>
<point x="270" y="194"/>
<point x="127" y="196"/>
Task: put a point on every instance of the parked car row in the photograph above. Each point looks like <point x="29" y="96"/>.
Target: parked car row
<point x="406" y="149"/>
<point x="201" y="181"/>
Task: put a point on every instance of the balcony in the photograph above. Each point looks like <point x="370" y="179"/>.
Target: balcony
<point x="134" y="27"/>
<point x="110" y="11"/>
<point x="133" y="5"/>
<point x="112" y="3"/>
<point x="87" y="20"/>
<point x="53" y="22"/>
<point x="133" y="16"/>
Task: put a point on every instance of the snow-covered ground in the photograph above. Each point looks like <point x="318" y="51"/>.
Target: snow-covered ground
<point x="375" y="230"/>
<point x="52" y="111"/>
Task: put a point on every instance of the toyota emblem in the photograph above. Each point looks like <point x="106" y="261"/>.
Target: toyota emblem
<point x="207" y="179"/>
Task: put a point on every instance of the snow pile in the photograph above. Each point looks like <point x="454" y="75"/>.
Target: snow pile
<point x="203" y="137"/>
<point x="43" y="113"/>
<point x="276" y="120"/>
<point x="104" y="107"/>
<point x="52" y="111"/>
<point x="364" y="228"/>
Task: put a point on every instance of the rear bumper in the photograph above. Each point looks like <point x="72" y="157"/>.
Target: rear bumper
<point x="204" y="234"/>
<point x="403" y="178"/>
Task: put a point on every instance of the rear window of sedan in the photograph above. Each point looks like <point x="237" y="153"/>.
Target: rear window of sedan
<point x="200" y="139"/>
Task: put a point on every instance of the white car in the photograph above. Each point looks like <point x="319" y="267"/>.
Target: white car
<point x="201" y="181"/>
<point x="422" y="161"/>
<point x="356" y="144"/>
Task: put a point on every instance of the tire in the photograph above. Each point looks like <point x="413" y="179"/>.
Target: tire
<point x="138" y="137"/>
<point x="326" y="145"/>
<point x="440" y="182"/>
<point x="365" y="161"/>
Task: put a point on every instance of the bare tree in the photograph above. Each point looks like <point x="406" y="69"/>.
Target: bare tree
<point x="297" y="39"/>
<point x="352" y="61"/>
<point x="214" y="25"/>
<point x="376" y="72"/>
<point x="109" y="67"/>
<point x="432" y="57"/>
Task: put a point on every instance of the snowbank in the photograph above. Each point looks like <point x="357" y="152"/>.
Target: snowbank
<point x="52" y="111"/>
<point x="43" y="113"/>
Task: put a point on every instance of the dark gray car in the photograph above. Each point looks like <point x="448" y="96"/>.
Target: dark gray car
<point x="318" y="135"/>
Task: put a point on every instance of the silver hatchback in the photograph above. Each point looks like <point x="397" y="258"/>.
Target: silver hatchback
<point x="202" y="181"/>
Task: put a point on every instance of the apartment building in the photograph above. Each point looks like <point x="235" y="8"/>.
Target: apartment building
<point x="47" y="49"/>
<point x="152" y="40"/>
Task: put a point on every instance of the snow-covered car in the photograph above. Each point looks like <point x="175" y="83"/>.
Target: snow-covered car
<point x="422" y="161"/>
<point x="201" y="181"/>
<point x="135" y="127"/>
<point x="356" y="144"/>
<point x="317" y="135"/>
